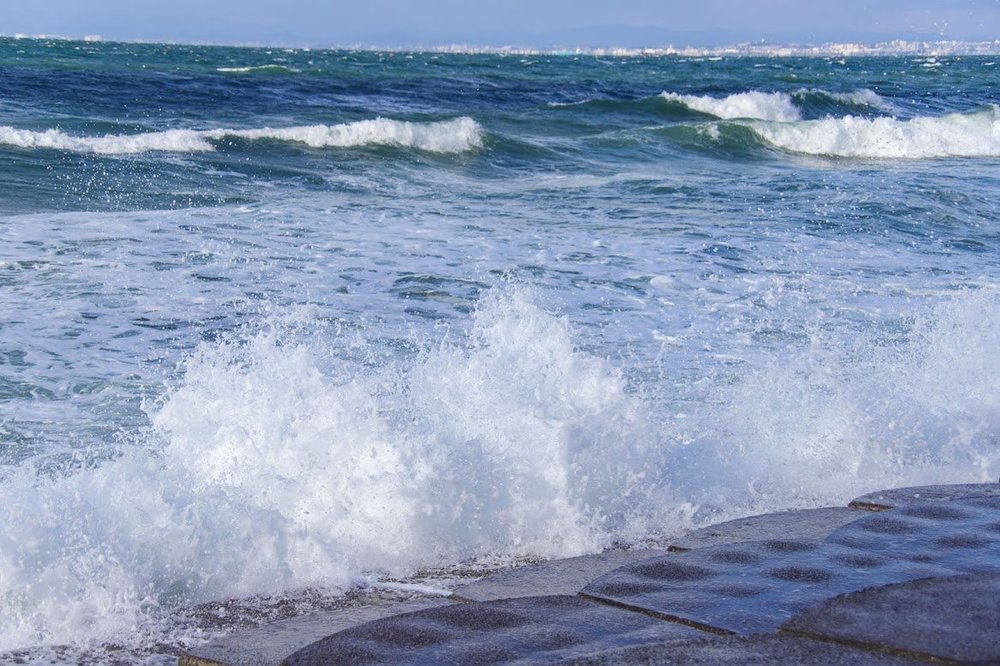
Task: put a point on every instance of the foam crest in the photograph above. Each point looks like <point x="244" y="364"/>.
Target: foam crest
<point x="974" y="134"/>
<point x="753" y="104"/>
<point x="450" y="136"/>
<point x="861" y="97"/>
<point x="263" y="69"/>
<point x="180" y="141"/>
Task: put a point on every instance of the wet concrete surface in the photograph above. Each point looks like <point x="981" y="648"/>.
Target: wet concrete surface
<point x="537" y="629"/>
<point x="954" y="619"/>
<point x="907" y="576"/>
<point x="804" y="524"/>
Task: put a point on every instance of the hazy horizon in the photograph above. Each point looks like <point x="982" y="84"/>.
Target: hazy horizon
<point x="551" y="23"/>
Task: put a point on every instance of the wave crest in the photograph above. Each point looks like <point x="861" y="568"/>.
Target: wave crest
<point x="753" y="104"/>
<point x="780" y="106"/>
<point x="262" y="69"/>
<point x="975" y="134"/>
<point x="448" y="136"/>
<point x="180" y="141"/>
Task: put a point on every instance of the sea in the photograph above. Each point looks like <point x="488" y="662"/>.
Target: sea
<point x="286" y="324"/>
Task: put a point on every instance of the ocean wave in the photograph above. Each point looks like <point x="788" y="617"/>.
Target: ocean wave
<point x="449" y="136"/>
<point x="975" y="134"/>
<point x="828" y="422"/>
<point x="860" y="97"/>
<point x="274" y="471"/>
<point x="181" y="141"/>
<point x="752" y="104"/>
<point x="262" y="69"/>
<point x="278" y="463"/>
<point x="781" y="106"/>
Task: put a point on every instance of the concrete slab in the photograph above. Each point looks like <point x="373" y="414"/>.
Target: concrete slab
<point x="271" y="644"/>
<point x="555" y="577"/>
<point x="888" y="499"/>
<point x="807" y="524"/>
<point x="748" y="587"/>
<point x="954" y="618"/>
<point x="742" y="651"/>
<point x="527" y="630"/>
<point x="755" y="587"/>
<point x="959" y="534"/>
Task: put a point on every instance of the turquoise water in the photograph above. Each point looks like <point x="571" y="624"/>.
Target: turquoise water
<point x="277" y="319"/>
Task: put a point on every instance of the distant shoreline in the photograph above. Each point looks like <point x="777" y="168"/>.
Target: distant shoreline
<point x="917" y="48"/>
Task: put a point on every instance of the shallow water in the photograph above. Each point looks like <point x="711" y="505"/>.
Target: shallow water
<point x="288" y="319"/>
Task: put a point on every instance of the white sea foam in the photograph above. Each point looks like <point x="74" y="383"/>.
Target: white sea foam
<point x="182" y="141"/>
<point x="257" y="68"/>
<point x="861" y="97"/>
<point x="273" y="470"/>
<point x="840" y="418"/>
<point x="974" y="134"/>
<point x="753" y="104"/>
<point x="450" y="136"/>
<point x="276" y="464"/>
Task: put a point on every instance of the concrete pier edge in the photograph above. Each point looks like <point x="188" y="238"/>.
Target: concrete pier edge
<point x="907" y="575"/>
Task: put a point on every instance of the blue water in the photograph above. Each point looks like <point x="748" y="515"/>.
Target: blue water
<point x="286" y="319"/>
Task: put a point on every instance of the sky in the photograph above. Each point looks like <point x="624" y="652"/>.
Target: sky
<point x="593" y="23"/>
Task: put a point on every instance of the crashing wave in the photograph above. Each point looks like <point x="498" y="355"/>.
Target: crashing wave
<point x="753" y="104"/>
<point x="448" y="136"/>
<point x="780" y="106"/>
<point x="975" y="134"/>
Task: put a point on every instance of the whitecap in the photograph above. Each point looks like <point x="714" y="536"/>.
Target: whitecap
<point x="181" y="141"/>
<point x="257" y="68"/>
<point x="752" y="104"/>
<point x="448" y="136"/>
<point x="975" y="134"/>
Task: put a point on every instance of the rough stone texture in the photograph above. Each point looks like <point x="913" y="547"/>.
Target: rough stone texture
<point x="555" y="577"/>
<point x="888" y="499"/>
<point x="528" y="629"/>
<point x="755" y="587"/>
<point x="954" y="618"/>
<point x="806" y="524"/>
<point x="741" y="651"/>
<point x="272" y="643"/>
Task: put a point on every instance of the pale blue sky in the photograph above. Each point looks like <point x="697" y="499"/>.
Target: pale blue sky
<point x="494" y="22"/>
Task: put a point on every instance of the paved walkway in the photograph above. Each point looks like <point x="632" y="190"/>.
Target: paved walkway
<point x="897" y="577"/>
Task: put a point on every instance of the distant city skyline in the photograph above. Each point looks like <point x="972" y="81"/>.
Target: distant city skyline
<point x="587" y="23"/>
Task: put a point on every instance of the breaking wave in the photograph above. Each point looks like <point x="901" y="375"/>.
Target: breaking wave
<point x="259" y="69"/>
<point x="181" y="141"/>
<point x="273" y="468"/>
<point x="450" y="136"/>
<point x="781" y="106"/>
<point x="975" y="134"/>
<point x="753" y="104"/>
<point x="276" y="462"/>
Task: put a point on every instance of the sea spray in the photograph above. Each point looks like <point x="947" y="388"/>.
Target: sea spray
<point x="274" y="466"/>
<point x="270" y="474"/>
<point x="838" y="417"/>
